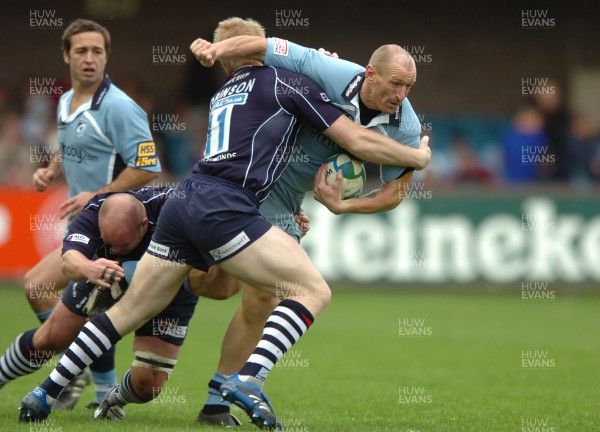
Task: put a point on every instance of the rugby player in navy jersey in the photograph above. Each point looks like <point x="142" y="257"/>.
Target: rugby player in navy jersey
<point x="376" y="98"/>
<point x="104" y="144"/>
<point x="212" y="218"/>
<point x="114" y="228"/>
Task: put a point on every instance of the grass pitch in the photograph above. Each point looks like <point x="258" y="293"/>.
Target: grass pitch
<point x="379" y="361"/>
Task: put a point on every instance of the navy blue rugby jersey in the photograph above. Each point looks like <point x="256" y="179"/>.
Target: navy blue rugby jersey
<point x="84" y="231"/>
<point x="253" y="123"/>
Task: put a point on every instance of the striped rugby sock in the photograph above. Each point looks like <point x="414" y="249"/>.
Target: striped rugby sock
<point x="125" y="393"/>
<point x="95" y="338"/>
<point x="286" y="325"/>
<point x="21" y="358"/>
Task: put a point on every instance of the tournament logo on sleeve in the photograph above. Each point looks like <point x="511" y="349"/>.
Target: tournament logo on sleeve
<point x="78" y="238"/>
<point x="146" y="155"/>
<point x="280" y="47"/>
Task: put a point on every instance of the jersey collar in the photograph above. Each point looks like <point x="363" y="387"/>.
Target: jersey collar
<point x="100" y="93"/>
<point x="353" y="87"/>
<point x="92" y="104"/>
<point x="351" y="94"/>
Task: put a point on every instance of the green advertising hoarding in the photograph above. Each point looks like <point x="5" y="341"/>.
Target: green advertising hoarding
<point x="461" y="238"/>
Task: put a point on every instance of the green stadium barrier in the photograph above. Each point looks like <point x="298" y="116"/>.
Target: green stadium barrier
<point x="459" y="239"/>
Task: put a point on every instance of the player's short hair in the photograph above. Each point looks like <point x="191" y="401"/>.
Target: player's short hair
<point x="81" y="26"/>
<point x="238" y="27"/>
<point x="386" y="54"/>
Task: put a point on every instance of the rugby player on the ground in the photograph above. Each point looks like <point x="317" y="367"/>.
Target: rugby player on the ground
<point x="115" y="229"/>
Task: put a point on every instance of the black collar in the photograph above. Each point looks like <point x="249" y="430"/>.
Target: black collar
<point x="353" y="87"/>
<point x="100" y="93"/>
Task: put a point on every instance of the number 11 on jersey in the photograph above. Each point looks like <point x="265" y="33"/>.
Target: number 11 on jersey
<point x="217" y="140"/>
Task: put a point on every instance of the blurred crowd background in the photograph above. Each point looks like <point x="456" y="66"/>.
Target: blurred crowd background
<point x="506" y="93"/>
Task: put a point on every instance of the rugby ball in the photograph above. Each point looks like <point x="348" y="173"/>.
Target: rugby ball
<point x="353" y="174"/>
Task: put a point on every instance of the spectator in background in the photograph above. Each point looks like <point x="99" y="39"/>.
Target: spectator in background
<point x="525" y="136"/>
<point x="184" y="143"/>
<point x="551" y="104"/>
<point x="170" y="126"/>
<point x="584" y="145"/>
<point x="179" y="124"/>
<point x="469" y="169"/>
<point x="13" y="154"/>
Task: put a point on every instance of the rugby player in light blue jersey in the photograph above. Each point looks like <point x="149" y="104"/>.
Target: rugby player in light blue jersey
<point x="375" y="98"/>
<point x="104" y="145"/>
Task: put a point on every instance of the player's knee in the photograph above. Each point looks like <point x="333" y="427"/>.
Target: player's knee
<point x="29" y="287"/>
<point x="257" y="306"/>
<point x="219" y="292"/>
<point x="148" y="383"/>
<point x="215" y="284"/>
<point x="44" y="341"/>
<point x="55" y="341"/>
<point x="322" y="294"/>
<point x="41" y="295"/>
<point x="149" y="373"/>
<point x="230" y="288"/>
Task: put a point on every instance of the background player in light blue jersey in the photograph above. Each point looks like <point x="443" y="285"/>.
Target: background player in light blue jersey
<point x="374" y="97"/>
<point x="104" y="145"/>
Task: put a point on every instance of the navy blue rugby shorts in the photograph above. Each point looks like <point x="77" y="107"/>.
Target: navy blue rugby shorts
<point x="170" y="325"/>
<point x="207" y="220"/>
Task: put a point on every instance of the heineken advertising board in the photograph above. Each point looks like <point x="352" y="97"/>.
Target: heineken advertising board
<point x="460" y="239"/>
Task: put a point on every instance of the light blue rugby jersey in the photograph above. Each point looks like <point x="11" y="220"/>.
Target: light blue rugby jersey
<point x="102" y="137"/>
<point x="341" y="80"/>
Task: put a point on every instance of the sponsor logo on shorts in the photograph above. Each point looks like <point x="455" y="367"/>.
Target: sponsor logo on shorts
<point x="146" y="155"/>
<point x="159" y="249"/>
<point x="230" y="247"/>
<point x="165" y="327"/>
<point x="78" y="238"/>
<point x="280" y="47"/>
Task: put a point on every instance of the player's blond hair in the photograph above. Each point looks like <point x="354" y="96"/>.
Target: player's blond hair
<point x="238" y="27"/>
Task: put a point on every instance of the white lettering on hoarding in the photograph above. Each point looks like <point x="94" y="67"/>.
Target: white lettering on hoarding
<point x="498" y="248"/>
